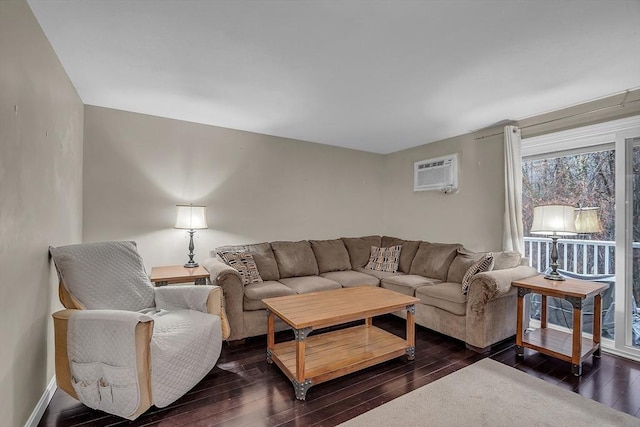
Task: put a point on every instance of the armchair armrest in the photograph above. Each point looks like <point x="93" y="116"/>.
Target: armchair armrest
<point x="494" y="284"/>
<point x="143" y="332"/>
<point x="207" y="299"/>
<point x="229" y="280"/>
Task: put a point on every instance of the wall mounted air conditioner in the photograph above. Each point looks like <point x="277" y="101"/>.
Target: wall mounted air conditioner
<point x="439" y="174"/>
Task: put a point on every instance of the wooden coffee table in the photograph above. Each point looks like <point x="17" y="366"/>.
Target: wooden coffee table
<point x="310" y="360"/>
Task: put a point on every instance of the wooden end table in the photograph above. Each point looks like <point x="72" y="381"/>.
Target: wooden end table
<point x="308" y="361"/>
<point x="570" y="347"/>
<point x="167" y="275"/>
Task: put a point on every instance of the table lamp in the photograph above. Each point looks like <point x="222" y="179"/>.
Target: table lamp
<point x="554" y="221"/>
<point x="588" y="221"/>
<point x="191" y="217"/>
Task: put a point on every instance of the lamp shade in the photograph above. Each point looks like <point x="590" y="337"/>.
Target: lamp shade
<point x="588" y="220"/>
<point x="191" y="217"/>
<point x="554" y="220"/>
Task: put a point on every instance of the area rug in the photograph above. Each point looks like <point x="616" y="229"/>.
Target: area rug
<point x="489" y="393"/>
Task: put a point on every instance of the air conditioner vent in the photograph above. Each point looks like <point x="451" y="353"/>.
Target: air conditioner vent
<point x="436" y="174"/>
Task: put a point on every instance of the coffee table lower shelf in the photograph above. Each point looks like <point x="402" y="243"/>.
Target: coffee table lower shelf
<point x="332" y="354"/>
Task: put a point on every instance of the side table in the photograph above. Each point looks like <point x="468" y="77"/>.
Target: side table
<point x="162" y="276"/>
<point x="570" y="347"/>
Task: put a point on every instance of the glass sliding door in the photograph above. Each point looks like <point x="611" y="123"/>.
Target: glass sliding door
<point x="628" y="242"/>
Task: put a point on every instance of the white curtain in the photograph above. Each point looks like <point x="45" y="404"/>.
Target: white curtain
<point x="513" y="234"/>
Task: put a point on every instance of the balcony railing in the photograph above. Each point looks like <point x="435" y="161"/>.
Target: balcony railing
<point x="576" y="255"/>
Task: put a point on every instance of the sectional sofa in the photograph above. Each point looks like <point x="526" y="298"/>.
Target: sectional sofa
<point x="432" y="272"/>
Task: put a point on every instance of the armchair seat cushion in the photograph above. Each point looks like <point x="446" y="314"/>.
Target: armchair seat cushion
<point x="447" y="296"/>
<point x="407" y="283"/>
<point x="255" y="292"/>
<point x="304" y="285"/>
<point x="348" y="279"/>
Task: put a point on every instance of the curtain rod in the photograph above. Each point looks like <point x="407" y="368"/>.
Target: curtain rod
<point x="621" y="105"/>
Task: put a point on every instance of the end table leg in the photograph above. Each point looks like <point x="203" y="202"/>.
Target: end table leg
<point x="597" y="324"/>
<point x="576" y="354"/>
<point x="576" y="369"/>
<point x="519" y="326"/>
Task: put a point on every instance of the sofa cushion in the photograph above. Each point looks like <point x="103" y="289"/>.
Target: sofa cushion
<point x="409" y="249"/>
<point x="348" y="279"/>
<point x="463" y="260"/>
<point x="262" y="255"/>
<point x="331" y="255"/>
<point x="407" y="283"/>
<point x="255" y="292"/>
<point x="384" y="259"/>
<point x="378" y="274"/>
<point x="244" y="264"/>
<point x="359" y="249"/>
<point x="504" y="260"/>
<point x="295" y="259"/>
<point x="433" y="259"/>
<point x="447" y="296"/>
<point x="483" y="264"/>
<point x="306" y="284"/>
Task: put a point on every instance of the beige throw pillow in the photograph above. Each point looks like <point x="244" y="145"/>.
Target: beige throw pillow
<point x="483" y="264"/>
<point x="384" y="259"/>
<point x="244" y="263"/>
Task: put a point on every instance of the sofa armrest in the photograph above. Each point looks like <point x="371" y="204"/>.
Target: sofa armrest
<point x="143" y="333"/>
<point x="207" y="299"/>
<point x="230" y="281"/>
<point x="494" y="284"/>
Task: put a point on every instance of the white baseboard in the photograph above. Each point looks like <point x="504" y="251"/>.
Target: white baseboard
<point x="46" y="397"/>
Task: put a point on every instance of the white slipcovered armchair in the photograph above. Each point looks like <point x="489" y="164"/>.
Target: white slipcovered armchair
<point x="122" y="345"/>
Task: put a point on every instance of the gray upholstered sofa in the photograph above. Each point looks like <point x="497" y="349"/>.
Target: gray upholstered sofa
<point x="432" y="272"/>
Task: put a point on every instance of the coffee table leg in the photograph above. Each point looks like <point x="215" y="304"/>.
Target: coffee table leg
<point x="270" y="335"/>
<point x="299" y="384"/>
<point x="411" y="332"/>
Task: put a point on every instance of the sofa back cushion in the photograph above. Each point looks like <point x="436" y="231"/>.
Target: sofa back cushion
<point x="359" y="249"/>
<point x="331" y="255"/>
<point x="262" y="255"/>
<point x="434" y="259"/>
<point x="408" y="252"/>
<point x="295" y="259"/>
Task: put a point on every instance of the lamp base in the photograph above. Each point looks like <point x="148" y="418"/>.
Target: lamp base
<point x="195" y="264"/>
<point x="552" y="276"/>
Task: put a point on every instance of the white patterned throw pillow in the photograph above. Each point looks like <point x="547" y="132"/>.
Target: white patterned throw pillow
<point x="483" y="264"/>
<point x="384" y="259"/>
<point x="244" y="263"/>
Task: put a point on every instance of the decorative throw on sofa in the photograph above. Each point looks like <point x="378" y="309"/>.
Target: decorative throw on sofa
<point x="483" y="264"/>
<point x="244" y="263"/>
<point x="384" y="259"/>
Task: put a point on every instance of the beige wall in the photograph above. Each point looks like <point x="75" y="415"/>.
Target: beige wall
<point x="256" y="187"/>
<point x="40" y="202"/>
<point x="473" y="216"/>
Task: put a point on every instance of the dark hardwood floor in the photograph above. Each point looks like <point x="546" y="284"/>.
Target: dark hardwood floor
<point x="243" y="390"/>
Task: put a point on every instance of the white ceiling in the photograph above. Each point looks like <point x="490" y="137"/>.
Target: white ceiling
<point x="379" y="76"/>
